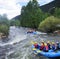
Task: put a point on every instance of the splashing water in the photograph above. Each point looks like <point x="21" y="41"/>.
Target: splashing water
<point x="19" y="45"/>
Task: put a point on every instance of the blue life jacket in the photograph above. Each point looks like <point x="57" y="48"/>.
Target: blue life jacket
<point x="48" y="46"/>
<point x="53" y="47"/>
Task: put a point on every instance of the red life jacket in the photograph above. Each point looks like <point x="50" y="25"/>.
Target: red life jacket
<point x="36" y="45"/>
<point x="46" y="47"/>
<point x="42" y="47"/>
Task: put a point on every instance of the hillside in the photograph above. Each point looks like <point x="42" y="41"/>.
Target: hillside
<point x="16" y="17"/>
<point x="50" y="6"/>
<point x="46" y="8"/>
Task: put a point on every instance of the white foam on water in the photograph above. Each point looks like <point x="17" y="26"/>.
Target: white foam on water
<point x="40" y="32"/>
<point x="18" y="39"/>
<point x="16" y="35"/>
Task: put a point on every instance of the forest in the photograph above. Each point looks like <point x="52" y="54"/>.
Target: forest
<point x="34" y="17"/>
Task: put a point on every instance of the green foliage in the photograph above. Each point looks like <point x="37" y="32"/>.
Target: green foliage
<point x="4" y="24"/>
<point x="4" y="19"/>
<point x="14" y="22"/>
<point x="17" y="23"/>
<point x="49" y="24"/>
<point x="4" y="29"/>
<point x="31" y="14"/>
<point x="57" y="3"/>
<point x="57" y="12"/>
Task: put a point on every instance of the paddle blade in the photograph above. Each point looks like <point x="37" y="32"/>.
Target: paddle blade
<point x="38" y="51"/>
<point x="34" y="49"/>
<point x="32" y="42"/>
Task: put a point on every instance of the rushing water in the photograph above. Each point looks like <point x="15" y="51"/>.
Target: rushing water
<point x="19" y="44"/>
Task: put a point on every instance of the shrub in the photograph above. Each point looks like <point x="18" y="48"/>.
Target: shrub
<point x="49" y="24"/>
<point x="4" y="29"/>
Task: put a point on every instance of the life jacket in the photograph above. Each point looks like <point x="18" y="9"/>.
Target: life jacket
<point x="48" y="46"/>
<point x="42" y="47"/>
<point x="53" y="47"/>
<point x="36" y="45"/>
<point x="46" y="49"/>
<point x="58" y="46"/>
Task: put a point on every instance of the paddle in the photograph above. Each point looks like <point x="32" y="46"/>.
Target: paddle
<point x="38" y="51"/>
<point x="32" y="42"/>
<point x="34" y="49"/>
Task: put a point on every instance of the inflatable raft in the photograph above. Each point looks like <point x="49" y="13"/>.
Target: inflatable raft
<point x="32" y="32"/>
<point x="49" y="54"/>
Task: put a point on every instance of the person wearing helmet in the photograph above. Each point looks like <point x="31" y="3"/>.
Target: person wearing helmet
<point x="36" y="45"/>
<point x="53" y="46"/>
<point x="49" y="46"/>
<point x="58" y="45"/>
<point x="42" y="46"/>
<point x="46" y="48"/>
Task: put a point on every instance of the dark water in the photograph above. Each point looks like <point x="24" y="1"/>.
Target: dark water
<point x="19" y="44"/>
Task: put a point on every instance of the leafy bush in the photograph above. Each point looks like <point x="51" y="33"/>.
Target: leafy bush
<point x="49" y="24"/>
<point x="4" y="29"/>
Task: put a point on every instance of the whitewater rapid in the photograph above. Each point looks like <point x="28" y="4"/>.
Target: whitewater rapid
<point x="14" y="36"/>
<point x="19" y="44"/>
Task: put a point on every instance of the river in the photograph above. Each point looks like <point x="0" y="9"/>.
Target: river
<point x="18" y="45"/>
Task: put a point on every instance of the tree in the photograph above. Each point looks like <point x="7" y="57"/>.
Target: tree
<point x="57" y="12"/>
<point x="4" y="24"/>
<point x="49" y="24"/>
<point x="17" y="23"/>
<point x="31" y="14"/>
<point x="4" y="20"/>
<point x="57" y="3"/>
<point x="14" y="22"/>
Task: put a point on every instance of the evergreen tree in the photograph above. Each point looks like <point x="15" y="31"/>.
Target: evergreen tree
<point x="31" y="14"/>
<point x="57" y="12"/>
<point x="57" y="3"/>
